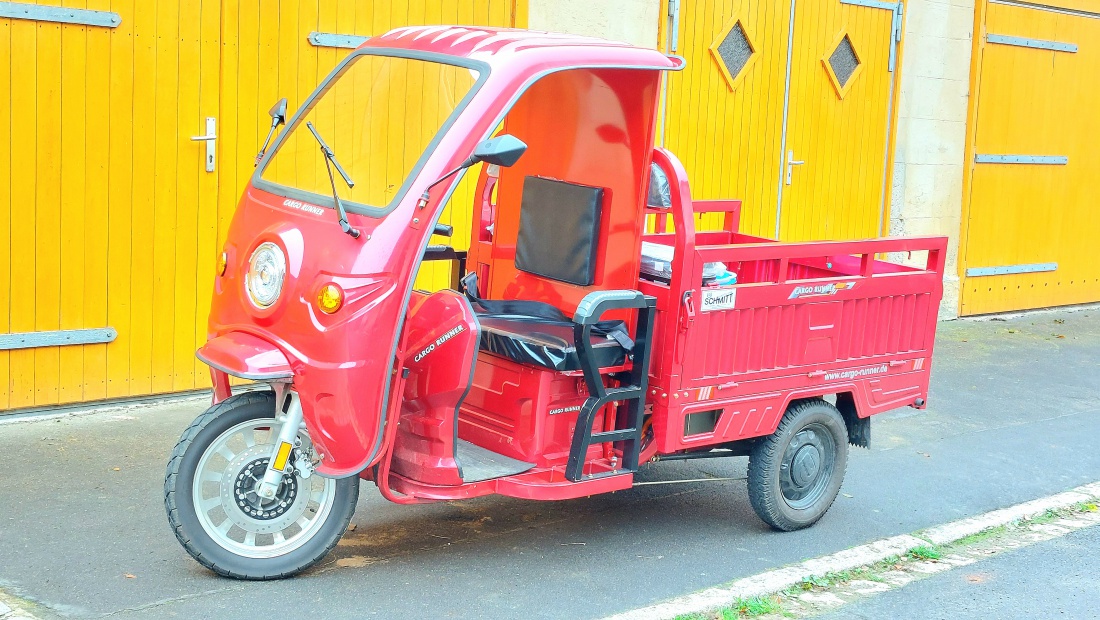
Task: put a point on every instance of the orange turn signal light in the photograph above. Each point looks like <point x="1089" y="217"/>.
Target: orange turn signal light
<point x="330" y="298"/>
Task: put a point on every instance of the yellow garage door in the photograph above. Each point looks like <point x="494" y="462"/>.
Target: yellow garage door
<point x="111" y="216"/>
<point x="1031" y="228"/>
<point x="787" y="106"/>
<point x="108" y="216"/>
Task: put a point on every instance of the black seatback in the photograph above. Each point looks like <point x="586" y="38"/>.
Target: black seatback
<point x="559" y="230"/>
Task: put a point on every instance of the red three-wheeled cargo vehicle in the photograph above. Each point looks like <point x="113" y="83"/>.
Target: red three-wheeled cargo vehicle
<point x="595" y="328"/>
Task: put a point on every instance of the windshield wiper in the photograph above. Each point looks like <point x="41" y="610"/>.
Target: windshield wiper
<point x="330" y="161"/>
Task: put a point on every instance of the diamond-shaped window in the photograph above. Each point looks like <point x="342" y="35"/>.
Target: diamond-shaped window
<point x="733" y="51"/>
<point x="842" y="65"/>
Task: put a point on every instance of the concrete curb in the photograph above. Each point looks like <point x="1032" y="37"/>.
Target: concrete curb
<point x="782" y="578"/>
<point x="956" y="530"/>
<point x="11" y="610"/>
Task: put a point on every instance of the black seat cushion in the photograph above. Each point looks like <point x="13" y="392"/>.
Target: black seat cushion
<point x="538" y="341"/>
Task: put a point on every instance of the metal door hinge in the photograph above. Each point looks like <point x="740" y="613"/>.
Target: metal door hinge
<point x="895" y="38"/>
<point x="57" y="338"/>
<point x="1008" y="270"/>
<point x="674" y="25"/>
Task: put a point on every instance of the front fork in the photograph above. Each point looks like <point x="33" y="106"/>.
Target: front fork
<point x="288" y="413"/>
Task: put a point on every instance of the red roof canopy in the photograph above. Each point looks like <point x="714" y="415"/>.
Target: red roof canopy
<point x="524" y="51"/>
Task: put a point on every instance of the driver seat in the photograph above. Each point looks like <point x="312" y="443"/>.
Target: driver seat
<point x="558" y="239"/>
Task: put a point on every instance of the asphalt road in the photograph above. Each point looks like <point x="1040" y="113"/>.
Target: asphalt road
<point x="1001" y="587"/>
<point x="1013" y="415"/>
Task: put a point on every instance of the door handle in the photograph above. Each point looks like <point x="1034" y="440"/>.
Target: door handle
<point x="791" y="163"/>
<point x="210" y="139"/>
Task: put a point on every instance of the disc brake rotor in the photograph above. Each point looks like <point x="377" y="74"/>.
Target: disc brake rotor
<point x="248" y="498"/>
<point x="244" y="506"/>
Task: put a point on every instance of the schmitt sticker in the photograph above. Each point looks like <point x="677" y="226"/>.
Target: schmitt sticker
<point x="718" y="299"/>
<point x="821" y="289"/>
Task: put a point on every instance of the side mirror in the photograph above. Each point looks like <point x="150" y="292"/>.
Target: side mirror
<point x="278" y="117"/>
<point x="278" y="113"/>
<point x="500" y="151"/>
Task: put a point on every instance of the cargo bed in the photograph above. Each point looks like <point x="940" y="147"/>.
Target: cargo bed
<point x="804" y="319"/>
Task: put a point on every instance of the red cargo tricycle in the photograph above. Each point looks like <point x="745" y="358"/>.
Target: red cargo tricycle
<point x="597" y="327"/>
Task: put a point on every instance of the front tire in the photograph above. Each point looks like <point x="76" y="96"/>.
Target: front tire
<point x="796" y="473"/>
<point x="209" y="495"/>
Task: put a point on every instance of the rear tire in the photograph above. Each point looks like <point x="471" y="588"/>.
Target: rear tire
<point x="220" y="520"/>
<point x="796" y="473"/>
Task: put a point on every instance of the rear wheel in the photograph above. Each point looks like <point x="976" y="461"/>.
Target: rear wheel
<point x="213" y="507"/>
<point x="796" y="473"/>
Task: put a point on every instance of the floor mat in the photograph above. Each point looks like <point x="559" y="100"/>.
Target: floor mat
<point x="480" y="464"/>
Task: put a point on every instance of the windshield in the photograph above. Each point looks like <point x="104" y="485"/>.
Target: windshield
<point x="379" y="115"/>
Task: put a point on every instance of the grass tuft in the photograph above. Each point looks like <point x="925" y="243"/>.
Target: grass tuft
<point x="980" y="536"/>
<point x="742" y="608"/>
<point x="754" y="606"/>
<point x="1046" y="517"/>
<point x="925" y="552"/>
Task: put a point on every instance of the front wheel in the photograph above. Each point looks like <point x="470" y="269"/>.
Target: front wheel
<point x="213" y="508"/>
<point x="796" y="473"/>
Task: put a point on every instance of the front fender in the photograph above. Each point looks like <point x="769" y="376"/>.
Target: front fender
<point x="341" y="439"/>
<point x="245" y="356"/>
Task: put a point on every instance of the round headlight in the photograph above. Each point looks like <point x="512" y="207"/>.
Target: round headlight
<point x="266" y="269"/>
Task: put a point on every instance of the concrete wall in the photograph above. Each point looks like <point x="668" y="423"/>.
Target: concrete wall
<point x="931" y="130"/>
<point x="632" y="21"/>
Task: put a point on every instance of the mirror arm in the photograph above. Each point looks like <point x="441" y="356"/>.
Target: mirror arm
<point x="426" y="196"/>
<point x="267" y="141"/>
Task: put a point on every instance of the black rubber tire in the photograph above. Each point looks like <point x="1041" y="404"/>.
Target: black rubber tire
<point x="179" y="505"/>
<point x="766" y="466"/>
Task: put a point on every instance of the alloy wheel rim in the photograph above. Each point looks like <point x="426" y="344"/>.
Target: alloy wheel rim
<point x="235" y="517"/>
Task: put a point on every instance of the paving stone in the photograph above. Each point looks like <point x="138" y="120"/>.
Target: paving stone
<point x="867" y="587"/>
<point x="822" y="599"/>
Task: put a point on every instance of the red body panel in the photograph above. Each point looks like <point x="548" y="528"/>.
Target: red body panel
<point x="524" y="412"/>
<point x="339" y="372"/>
<point x="442" y="349"/>
<point x="539" y="484"/>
